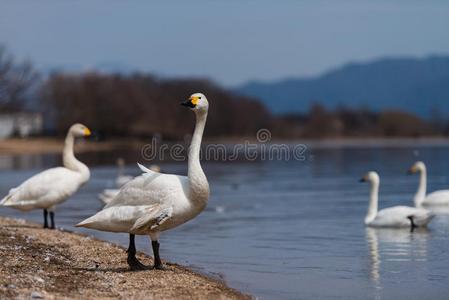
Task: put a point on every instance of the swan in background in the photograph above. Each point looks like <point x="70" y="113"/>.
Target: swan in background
<point x="397" y="216"/>
<point x="438" y="198"/>
<point x="122" y="179"/>
<point x="154" y="202"/>
<point x="108" y="194"/>
<point x="53" y="186"/>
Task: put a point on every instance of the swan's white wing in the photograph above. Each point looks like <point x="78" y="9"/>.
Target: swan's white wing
<point x="145" y="170"/>
<point x="399" y="216"/>
<point x="133" y="219"/>
<point x="44" y="190"/>
<point x="151" y="188"/>
<point x="437" y="198"/>
<point x="143" y="204"/>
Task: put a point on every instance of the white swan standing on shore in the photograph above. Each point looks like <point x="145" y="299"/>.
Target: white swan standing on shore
<point x="53" y="186"/>
<point x="155" y="202"/>
<point x="438" y="198"/>
<point x="396" y="216"/>
<point x="108" y="194"/>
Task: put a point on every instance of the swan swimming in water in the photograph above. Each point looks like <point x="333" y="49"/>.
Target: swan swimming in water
<point x="437" y="198"/>
<point x="155" y="202"/>
<point x="53" y="186"/>
<point x="122" y="179"/>
<point x="396" y="216"/>
<point x="108" y="194"/>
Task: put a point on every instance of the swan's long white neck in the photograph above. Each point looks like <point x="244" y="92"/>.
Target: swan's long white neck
<point x="199" y="187"/>
<point x="70" y="161"/>
<point x="373" y="202"/>
<point x="422" y="188"/>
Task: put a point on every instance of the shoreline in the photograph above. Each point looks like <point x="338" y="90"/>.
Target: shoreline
<point x="45" y="145"/>
<point x="40" y="263"/>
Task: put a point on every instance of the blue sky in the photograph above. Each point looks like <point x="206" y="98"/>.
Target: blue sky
<point x="229" y="41"/>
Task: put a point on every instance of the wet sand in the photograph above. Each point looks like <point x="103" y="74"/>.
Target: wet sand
<point x="40" y="263"/>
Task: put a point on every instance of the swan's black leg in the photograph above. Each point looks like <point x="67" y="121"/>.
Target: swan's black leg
<point x="45" y="218"/>
<point x="52" y="220"/>
<point x="412" y="224"/>
<point x="133" y="262"/>
<point x="157" y="259"/>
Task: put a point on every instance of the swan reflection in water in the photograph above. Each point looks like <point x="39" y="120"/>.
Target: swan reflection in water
<point x="389" y="247"/>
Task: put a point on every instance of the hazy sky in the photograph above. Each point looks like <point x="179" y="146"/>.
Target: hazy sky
<point x="230" y="41"/>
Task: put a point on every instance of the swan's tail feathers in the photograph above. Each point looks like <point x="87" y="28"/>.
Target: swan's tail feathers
<point x="115" y="219"/>
<point x="3" y="201"/>
<point x="145" y="170"/>
<point x="6" y="201"/>
<point x="85" y="223"/>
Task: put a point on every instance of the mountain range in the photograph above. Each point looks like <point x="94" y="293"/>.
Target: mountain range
<point x="419" y="86"/>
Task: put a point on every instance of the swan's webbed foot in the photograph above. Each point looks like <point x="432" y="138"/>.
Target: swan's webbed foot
<point x="135" y="265"/>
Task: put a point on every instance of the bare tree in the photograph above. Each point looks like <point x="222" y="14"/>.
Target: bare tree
<point x="15" y="81"/>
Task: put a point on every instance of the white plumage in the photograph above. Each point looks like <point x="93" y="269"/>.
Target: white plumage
<point x="53" y="186"/>
<point x="108" y="194"/>
<point x="154" y="202"/>
<point x="438" y="198"/>
<point x="44" y="190"/>
<point x="397" y="216"/>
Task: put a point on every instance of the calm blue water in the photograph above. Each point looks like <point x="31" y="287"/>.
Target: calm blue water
<point x="290" y="230"/>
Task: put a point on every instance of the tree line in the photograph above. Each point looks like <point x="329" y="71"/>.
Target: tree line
<point x="144" y="105"/>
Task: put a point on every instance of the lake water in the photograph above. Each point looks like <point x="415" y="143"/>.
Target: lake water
<point x="289" y="230"/>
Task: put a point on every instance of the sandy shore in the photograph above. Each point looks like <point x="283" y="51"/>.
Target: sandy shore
<point x="52" y="264"/>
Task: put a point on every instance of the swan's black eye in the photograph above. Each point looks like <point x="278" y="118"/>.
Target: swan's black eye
<point x="199" y="97"/>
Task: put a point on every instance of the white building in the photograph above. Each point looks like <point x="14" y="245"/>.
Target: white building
<point x="21" y="124"/>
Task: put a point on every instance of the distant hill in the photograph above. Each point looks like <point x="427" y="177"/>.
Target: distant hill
<point x="420" y="86"/>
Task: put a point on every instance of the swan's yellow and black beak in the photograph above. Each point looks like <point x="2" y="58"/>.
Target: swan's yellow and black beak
<point x="363" y="179"/>
<point x="412" y="171"/>
<point x="191" y="103"/>
<point x="87" y="132"/>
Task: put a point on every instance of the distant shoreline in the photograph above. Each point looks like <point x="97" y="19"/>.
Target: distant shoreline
<point x="42" y="263"/>
<point x="55" y="145"/>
